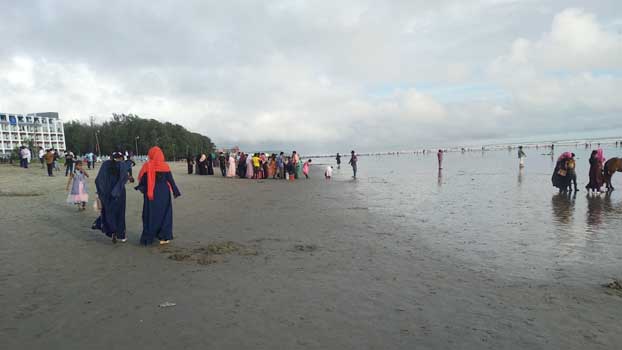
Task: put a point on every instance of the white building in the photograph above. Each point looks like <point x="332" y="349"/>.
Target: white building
<point x="44" y="129"/>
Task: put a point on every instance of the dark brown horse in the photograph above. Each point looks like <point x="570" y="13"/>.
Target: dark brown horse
<point x="611" y="166"/>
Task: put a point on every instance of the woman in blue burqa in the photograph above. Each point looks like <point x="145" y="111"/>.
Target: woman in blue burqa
<point x="110" y="183"/>
<point x="156" y="183"/>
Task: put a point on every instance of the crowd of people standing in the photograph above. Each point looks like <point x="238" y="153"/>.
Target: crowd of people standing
<point x="565" y="176"/>
<point x="259" y="165"/>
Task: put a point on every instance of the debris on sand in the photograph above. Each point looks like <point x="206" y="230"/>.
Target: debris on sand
<point x="179" y="257"/>
<point x="614" y="284"/>
<point x="305" y="247"/>
<point x="213" y="253"/>
<point x="167" y="304"/>
<point x="223" y="247"/>
<point x="210" y="259"/>
<point x="20" y="194"/>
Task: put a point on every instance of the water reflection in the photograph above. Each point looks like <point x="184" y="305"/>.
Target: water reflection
<point x="440" y="178"/>
<point x="521" y="172"/>
<point x="595" y="209"/>
<point x="563" y="207"/>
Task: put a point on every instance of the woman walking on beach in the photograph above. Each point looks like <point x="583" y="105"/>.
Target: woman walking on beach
<point x="110" y="183"/>
<point x="156" y="184"/>
<point x="79" y="194"/>
<point x="596" y="171"/>
<point x="231" y="169"/>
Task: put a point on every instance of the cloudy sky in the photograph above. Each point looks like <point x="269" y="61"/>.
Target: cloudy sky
<point x="319" y="75"/>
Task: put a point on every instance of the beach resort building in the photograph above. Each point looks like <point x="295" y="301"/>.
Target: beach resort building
<point x="43" y="129"/>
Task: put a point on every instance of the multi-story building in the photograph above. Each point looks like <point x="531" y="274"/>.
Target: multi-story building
<point x="44" y="129"/>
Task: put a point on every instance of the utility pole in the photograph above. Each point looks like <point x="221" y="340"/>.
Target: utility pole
<point x="99" y="150"/>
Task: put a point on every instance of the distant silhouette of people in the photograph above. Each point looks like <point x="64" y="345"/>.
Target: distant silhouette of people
<point x="353" y="162"/>
<point x="439" y="155"/>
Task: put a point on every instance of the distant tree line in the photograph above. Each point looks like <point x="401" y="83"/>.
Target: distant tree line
<point x="126" y="132"/>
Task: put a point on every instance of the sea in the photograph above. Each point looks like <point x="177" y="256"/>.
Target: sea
<point x="484" y="209"/>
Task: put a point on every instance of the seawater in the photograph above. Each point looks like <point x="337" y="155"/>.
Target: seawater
<point x="482" y="209"/>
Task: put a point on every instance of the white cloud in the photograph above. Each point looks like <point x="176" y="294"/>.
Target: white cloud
<point x="319" y="75"/>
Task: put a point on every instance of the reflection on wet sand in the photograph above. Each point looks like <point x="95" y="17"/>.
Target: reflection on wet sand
<point x="521" y="172"/>
<point x="440" y="178"/>
<point x="563" y="207"/>
<point x="595" y="208"/>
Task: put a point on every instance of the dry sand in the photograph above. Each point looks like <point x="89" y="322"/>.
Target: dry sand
<point x="266" y="265"/>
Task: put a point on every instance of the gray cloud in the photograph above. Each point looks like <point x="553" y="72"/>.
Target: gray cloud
<point x="319" y="75"/>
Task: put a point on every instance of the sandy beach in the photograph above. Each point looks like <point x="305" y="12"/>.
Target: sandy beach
<point x="270" y="265"/>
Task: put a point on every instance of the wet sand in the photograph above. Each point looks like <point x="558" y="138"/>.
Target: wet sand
<point x="304" y="265"/>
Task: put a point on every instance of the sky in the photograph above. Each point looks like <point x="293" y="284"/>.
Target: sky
<point x="322" y="76"/>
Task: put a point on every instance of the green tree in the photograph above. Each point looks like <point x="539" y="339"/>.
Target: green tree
<point x="121" y="130"/>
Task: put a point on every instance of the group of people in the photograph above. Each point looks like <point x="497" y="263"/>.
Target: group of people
<point x="259" y="165"/>
<point x="251" y="166"/>
<point x="155" y="182"/>
<point x="565" y="176"/>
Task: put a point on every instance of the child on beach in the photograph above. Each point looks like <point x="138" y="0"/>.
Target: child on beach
<point x="79" y="192"/>
<point x="305" y="168"/>
<point x="328" y="173"/>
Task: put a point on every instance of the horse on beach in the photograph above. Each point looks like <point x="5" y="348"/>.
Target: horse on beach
<point x="611" y="166"/>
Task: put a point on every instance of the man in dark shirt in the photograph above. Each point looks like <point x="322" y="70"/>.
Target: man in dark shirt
<point x="353" y="161"/>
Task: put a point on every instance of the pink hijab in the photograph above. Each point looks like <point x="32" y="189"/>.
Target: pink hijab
<point x="565" y="155"/>
<point x="600" y="156"/>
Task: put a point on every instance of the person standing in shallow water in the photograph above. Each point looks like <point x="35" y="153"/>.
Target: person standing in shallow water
<point x="156" y="184"/>
<point x="338" y="159"/>
<point x="572" y="173"/>
<point x="439" y="155"/>
<point x="110" y="183"/>
<point x="305" y="168"/>
<point x="521" y="157"/>
<point x="353" y="162"/>
<point x="596" y="171"/>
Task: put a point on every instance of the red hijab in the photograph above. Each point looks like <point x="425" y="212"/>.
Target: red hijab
<point x="156" y="163"/>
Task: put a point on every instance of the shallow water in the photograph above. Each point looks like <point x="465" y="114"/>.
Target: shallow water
<point x="485" y="211"/>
